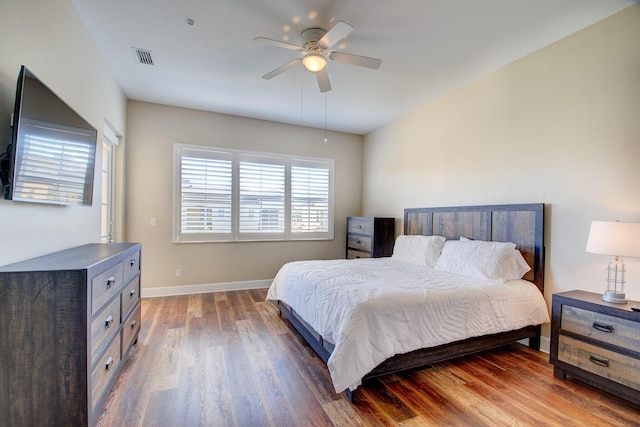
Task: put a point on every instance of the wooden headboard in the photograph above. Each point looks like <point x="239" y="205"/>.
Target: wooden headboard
<point x="522" y="224"/>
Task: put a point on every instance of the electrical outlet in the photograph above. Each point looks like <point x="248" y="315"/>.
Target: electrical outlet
<point x="178" y="272"/>
<point x="153" y="222"/>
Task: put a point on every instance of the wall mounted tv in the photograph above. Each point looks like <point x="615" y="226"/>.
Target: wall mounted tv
<point x="52" y="151"/>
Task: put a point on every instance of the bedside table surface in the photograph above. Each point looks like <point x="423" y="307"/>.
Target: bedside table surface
<point x="596" y="303"/>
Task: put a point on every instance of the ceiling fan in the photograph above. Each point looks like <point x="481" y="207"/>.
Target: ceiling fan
<point x="316" y="49"/>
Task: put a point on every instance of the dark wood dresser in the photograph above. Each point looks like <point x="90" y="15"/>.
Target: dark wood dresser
<point x="67" y="322"/>
<point x="370" y="237"/>
<point x="596" y="342"/>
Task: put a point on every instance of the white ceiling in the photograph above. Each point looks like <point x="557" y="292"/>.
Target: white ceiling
<point x="427" y="47"/>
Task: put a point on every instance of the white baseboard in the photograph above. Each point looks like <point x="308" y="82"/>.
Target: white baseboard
<point x="545" y="344"/>
<point x="205" y="288"/>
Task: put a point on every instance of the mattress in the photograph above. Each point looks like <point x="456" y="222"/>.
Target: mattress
<point x="373" y="309"/>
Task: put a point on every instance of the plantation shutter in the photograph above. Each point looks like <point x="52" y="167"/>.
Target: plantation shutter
<point x="310" y="196"/>
<point x="226" y="195"/>
<point x="261" y="194"/>
<point x="206" y="192"/>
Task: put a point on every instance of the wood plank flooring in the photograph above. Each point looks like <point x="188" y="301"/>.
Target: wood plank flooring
<point x="228" y="359"/>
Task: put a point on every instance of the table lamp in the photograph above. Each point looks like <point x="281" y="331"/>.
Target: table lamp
<point x="617" y="239"/>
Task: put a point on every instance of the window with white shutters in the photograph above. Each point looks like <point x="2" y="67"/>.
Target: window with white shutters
<point x="310" y="196"/>
<point x="205" y="195"/>
<point x="233" y="195"/>
<point x="262" y="195"/>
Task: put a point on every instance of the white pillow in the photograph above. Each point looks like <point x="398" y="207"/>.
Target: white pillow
<point x="415" y="249"/>
<point x="482" y="260"/>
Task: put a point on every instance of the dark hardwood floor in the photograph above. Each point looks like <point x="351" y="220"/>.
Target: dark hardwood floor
<point x="228" y="359"/>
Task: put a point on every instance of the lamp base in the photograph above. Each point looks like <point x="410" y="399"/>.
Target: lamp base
<point x="614" y="297"/>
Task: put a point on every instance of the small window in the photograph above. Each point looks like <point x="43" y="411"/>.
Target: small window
<point x="232" y="195"/>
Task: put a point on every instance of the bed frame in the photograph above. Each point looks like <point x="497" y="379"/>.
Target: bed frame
<point x="522" y="224"/>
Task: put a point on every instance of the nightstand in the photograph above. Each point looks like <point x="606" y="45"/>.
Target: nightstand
<point x="370" y="237"/>
<point x="596" y="342"/>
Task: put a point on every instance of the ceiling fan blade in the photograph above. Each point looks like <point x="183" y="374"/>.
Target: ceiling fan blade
<point x="335" y="34"/>
<point x="281" y="69"/>
<point x="278" y="43"/>
<point x="360" y="61"/>
<point x="323" y="80"/>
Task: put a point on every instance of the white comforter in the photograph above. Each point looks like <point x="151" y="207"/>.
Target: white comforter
<point x="372" y="309"/>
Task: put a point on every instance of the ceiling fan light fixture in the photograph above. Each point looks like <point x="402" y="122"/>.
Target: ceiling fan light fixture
<point x="314" y="62"/>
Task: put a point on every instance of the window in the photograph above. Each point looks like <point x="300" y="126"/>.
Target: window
<point x="309" y="198"/>
<point x="233" y="195"/>
<point x="261" y="190"/>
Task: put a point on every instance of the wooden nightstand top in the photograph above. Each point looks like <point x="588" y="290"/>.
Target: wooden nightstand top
<point x="595" y="299"/>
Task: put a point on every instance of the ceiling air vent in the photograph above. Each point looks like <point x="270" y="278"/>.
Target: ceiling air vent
<point x="144" y="56"/>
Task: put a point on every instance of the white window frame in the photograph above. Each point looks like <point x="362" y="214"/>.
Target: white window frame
<point x="110" y="141"/>
<point x="235" y="235"/>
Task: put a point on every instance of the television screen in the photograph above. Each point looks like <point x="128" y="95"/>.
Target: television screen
<point x="52" y="150"/>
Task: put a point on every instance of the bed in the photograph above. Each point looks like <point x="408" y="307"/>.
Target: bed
<point x="394" y="306"/>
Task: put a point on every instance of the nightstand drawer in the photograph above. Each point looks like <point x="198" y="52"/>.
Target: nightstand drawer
<point x="360" y="243"/>
<point x="605" y="363"/>
<point x="351" y="254"/>
<point x="360" y="226"/>
<point x="612" y="330"/>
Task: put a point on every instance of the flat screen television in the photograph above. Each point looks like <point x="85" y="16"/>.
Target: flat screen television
<point x="51" y="157"/>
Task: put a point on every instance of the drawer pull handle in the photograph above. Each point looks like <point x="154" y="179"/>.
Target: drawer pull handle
<point x="599" y="360"/>
<point x="603" y="328"/>
<point x="110" y="282"/>
<point x="109" y="364"/>
<point x="359" y="226"/>
<point x="358" y="242"/>
<point x="108" y="322"/>
<point x="132" y="293"/>
<point x="133" y="324"/>
<point x="132" y="262"/>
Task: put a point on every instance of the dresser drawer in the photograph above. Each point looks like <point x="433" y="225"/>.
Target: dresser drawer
<point x="104" y="286"/>
<point x="360" y="243"/>
<point x="612" y="330"/>
<point x="104" y="326"/>
<point x="605" y="363"/>
<point x="131" y="266"/>
<point x="130" y="328"/>
<point x="103" y="371"/>
<point x="351" y="254"/>
<point x="130" y="295"/>
<point x="360" y="226"/>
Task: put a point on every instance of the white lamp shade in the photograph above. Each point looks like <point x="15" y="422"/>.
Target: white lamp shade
<point x="614" y="238"/>
<point x="314" y="62"/>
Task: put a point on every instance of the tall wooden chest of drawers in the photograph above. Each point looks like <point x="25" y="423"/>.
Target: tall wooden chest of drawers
<point x="596" y="342"/>
<point x="67" y="322"/>
<point x="370" y="237"/>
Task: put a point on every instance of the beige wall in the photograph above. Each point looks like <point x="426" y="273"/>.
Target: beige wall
<point x="560" y="126"/>
<point x="48" y="37"/>
<point x="152" y="129"/>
